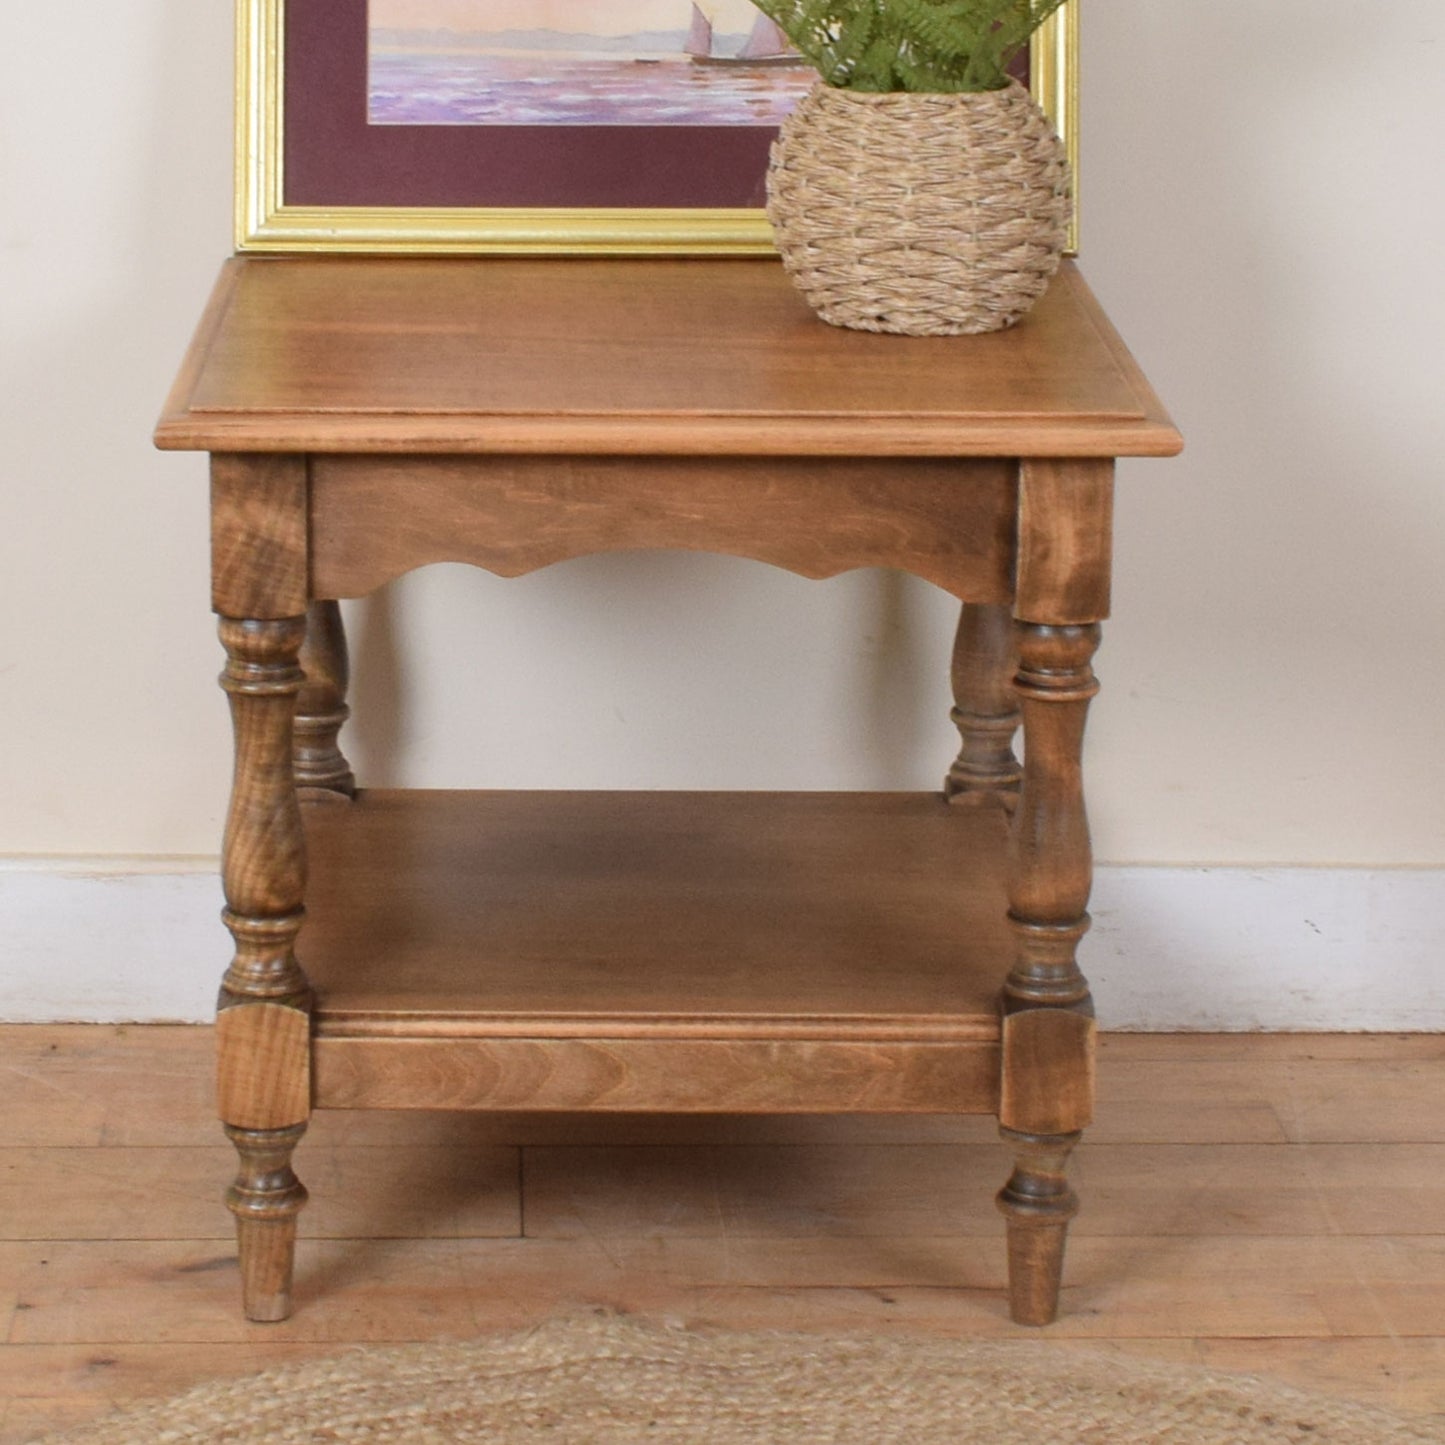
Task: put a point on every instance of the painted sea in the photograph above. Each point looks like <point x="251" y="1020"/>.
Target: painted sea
<point x="480" y="87"/>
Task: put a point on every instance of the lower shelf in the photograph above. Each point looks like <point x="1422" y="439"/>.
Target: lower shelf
<point x="681" y="951"/>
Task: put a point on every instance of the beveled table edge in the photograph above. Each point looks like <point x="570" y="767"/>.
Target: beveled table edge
<point x="183" y="427"/>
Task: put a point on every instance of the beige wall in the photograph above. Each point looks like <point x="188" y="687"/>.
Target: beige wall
<point x="1262" y="215"/>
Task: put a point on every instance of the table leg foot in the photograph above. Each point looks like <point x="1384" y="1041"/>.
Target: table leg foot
<point x="1038" y="1205"/>
<point x="266" y="1197"/>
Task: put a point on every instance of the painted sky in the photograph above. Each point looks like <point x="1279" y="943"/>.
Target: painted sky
<point x="590" y="17"/>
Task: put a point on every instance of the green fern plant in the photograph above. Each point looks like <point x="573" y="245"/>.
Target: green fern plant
<point x="946" y="46"/>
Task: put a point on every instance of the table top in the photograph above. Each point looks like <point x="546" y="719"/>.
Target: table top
<point x="631" y="357"/>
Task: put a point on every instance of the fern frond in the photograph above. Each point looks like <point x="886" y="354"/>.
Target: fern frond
<point x="917" y="45"/>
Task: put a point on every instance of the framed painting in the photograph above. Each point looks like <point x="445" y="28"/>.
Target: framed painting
<point x="623" y="126"/>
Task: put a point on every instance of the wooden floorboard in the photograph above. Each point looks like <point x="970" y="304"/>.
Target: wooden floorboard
<point x="1273" y="1205"/>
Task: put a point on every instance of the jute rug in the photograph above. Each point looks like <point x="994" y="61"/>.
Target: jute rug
<point x="600" y="1379"/>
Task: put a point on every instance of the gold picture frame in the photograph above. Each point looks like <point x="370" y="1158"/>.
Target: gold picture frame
<point x="266" y="221"/>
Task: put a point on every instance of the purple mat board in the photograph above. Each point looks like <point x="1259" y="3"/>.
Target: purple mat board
<point x="334" y="157"/>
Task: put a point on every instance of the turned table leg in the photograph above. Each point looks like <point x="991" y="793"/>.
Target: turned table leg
<point x="263" y="1023"/>
<point x="322" y="772"/>
<point x="1048" y="1026"/>
<point x="1039" y="1205"/>
<point x="985" y="710"/>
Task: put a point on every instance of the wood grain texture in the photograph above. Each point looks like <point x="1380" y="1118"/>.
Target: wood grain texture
<point x="1065" y="540"/>
<point x="1291" y="1290"/>
<point x="263" y="1035"/>
<point x="1037" y="1204"/>
<point x="665" y="357"/>
<point x="258" y="536"/>
<point x="1048" y="1084"/>
<point x="75" y="1086"/>
<point x="1048" y="1074"/>
<point x="1050" y="857"/>
<point x="266" y="1250"/>
<point x="1211" y="1235"/>
<point x="638" y="1075"/>
<point x="265" y="1197"/>
<point x="696" y="952"/>
<point x="204" y="337"/>
<point x="264" y="1076"/>
<point x="263" y="852"/>
<point x="949" y="522"/>
<point x="843" y="916"/>
<point x="985" y="710"/>
<point x="321" y="770"/>
<point x="370" y="1191"/>
<point x="649" y="1175"/>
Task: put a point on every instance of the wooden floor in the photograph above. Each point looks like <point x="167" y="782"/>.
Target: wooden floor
<point x="1266" y="1204"/>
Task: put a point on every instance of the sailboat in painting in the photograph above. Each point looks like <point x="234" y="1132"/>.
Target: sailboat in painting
<point x="765" y="43"/>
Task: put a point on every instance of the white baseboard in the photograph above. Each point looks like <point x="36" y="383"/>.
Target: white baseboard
<point x="110" y="941"/>
<point x="1236" y="949"/>
<point x="1172" y="948"/>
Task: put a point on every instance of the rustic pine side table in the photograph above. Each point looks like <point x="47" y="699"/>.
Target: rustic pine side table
<point x="745" y="952"/>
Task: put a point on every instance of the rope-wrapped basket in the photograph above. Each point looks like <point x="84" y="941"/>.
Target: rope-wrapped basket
<point x="924" y="214"/>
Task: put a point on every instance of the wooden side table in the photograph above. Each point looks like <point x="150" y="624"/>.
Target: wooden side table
<point x="652" y="951"/>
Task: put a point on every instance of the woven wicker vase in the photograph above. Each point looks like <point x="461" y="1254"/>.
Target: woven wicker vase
<point x="927" y="215"/>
